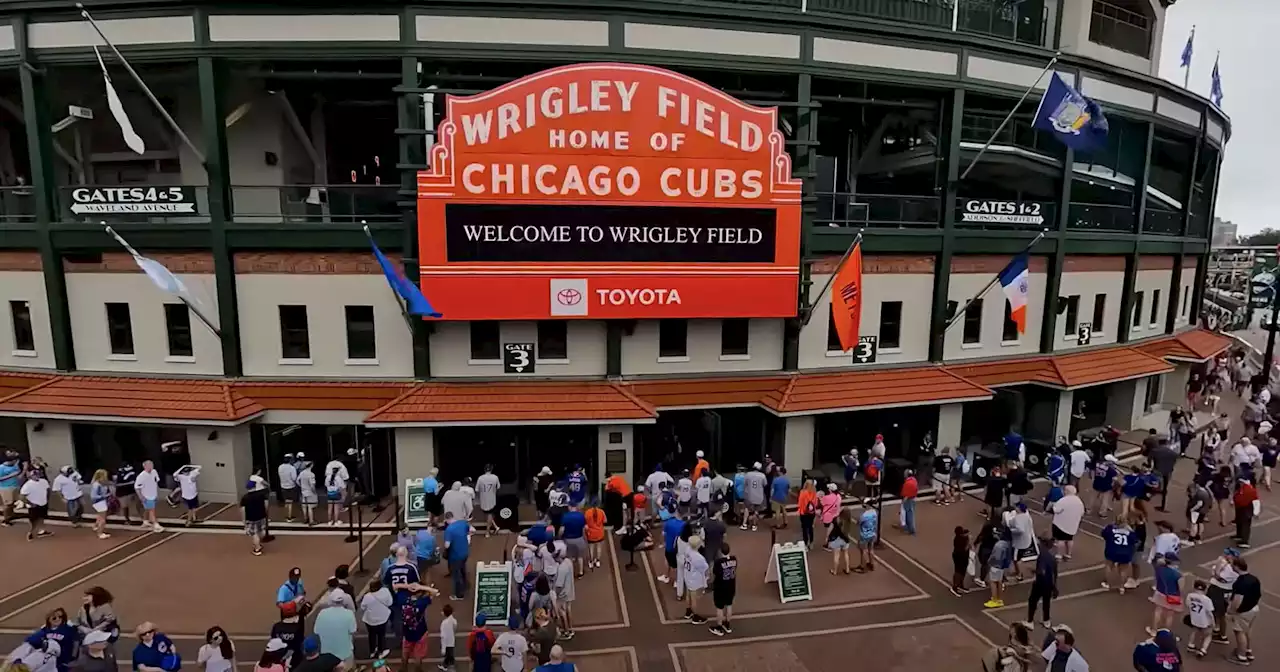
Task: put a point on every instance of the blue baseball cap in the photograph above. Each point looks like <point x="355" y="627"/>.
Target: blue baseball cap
<point x="311" y="645"/>
<point x="513" y="623"/>
<point x="481" y="619"/>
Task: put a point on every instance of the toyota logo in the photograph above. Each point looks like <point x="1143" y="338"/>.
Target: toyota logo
<point x="569" y="297"/>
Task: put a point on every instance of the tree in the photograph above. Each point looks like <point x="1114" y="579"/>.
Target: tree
<point x="1267" y="236"/>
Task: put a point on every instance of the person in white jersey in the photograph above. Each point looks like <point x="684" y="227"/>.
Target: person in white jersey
<point x="190" y="490"/>
<point x="487" y="487"/>
<point x="684" y="493"/>
<point x="653" y="485"/>
<point x="36" y="492"/>
<point x="288" y="473"/>
<point x="335" y="486"/>
<point x="511" y="647"/>
<point x="702" y="489"/>
<point x="147" y="485"/>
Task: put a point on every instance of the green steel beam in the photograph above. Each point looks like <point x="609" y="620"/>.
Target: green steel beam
<point x="1057" y="262"/>
<point x="806" y="162"/>
<point x="211" y="75"/>
<point x="946" y="222"/>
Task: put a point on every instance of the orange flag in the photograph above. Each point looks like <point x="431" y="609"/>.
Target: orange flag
<point x="846" y="298"/>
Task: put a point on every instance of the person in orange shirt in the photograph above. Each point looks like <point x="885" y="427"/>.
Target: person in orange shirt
<point x="701" y="466"/>
<point x="594" y="534"/>
<point x="639" y="507"/>
<point x="615" y="493"/>
<point x="807" y="505"/>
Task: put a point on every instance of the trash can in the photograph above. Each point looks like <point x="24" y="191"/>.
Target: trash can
<point x="508" y="508"/>
<point x="984" y="460"/>
<point x="1038" y="452"/>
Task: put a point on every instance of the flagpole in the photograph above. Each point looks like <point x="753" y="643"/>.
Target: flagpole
<point x="145" y="89"/>
<point x="808" y="313"/>
<point x="994" y="280"/>
<point x="1052" y="62"/>
<point x="134" y="253"/>
<point x="404" y="312"/>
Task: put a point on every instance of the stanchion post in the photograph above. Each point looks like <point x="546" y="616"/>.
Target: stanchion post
<point x="351" y="525"/>
<point x="879" y="543"/>
<point x="360" y="540"/>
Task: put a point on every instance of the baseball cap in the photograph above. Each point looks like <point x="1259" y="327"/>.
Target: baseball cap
<point x="1232" y="552"/>
<point x="1022" y="506"/>
<point x="96" y="637"/>
<point x="276" y="644"/>
<point x="514" y="623"/>
<point x="52" y="647"/>
<point x="546" y="471"/>
<point x="1063" y="627"/>
<point x="311" y="645"/>
<point x="295" y="573"/>
<point x="481" y="619"/>
<point x="1112" y="458"/>
<point x="1076" y="443"/>
<point x="699" y="453"/>
<point x="301" y="455"/>
<point x="757" y="465"/>
<point x="832" y="487"/>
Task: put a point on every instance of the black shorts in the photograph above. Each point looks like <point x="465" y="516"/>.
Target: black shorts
<point x="671" y="559"/>
<point x="433" y="505"/>
<point x="1059" y="535"/>
<point x="38" y="513"/>
<point x="492" y="511"/>
<point x="723" y="597"/>
<point x="292" y="495"/>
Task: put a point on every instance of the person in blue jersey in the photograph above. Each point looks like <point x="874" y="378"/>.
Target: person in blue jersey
<point x="155" y="651"/>
<point x="10" y="477"/>
<point x="671" y="531"/>
<point x="781" y="490"/>
<point x="401" y="577"/>
<point x="457" y="549"/>
<point x="1133" y="488"/>
<point x="1120" y="545"/>
<point x="868" y="530"/>
<point x="1105" y="474"/>
<point x="577" y="487"/>
<point x="57" y="629"/>
<point x="1158" y="654"/>
<point x="1168" y="592"/>
<point x="740" y="492"/>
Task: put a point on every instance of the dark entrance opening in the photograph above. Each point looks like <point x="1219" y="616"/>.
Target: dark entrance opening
<point x="1031" y="410"/>
<point x="1089" y="408"/>
<point x="373" y="465"/>
<point x="516" y="453"/>
<point x="108" y="446"/>
<point x="13" y="435"/>
<point x="903" y="429"/>
<point x="727" y="436"/>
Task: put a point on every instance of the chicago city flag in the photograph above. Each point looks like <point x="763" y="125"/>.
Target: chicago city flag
<point x="1014" y="279"/>
<point x="846" y="298"/>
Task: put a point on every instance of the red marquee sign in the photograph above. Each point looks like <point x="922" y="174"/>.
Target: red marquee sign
<point x="608" y="191"/>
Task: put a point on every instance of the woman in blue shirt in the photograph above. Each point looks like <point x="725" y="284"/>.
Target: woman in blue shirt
<point x="154" y="652"/>
<point x="1168" y="595"/>
<point x="1120" y="544"/>
<point x="56" y="629"/>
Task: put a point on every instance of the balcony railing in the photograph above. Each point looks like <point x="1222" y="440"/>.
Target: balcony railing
<point x="879" y="211"/>
<point x="1161" y="221"/>
<point x="1017" y="133"/>
<point x="314" y="203"/>
<point x="1023" y="22"/>
<point x="923" y="12"/>
<point x="1120" y="28"/>
<point x="1101" y="217"/>
<point x="17" y="204"/>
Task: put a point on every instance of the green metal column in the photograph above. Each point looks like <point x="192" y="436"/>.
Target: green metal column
<point x="1134" y="259"/>
<point x="412" y="158"/>
<point x="211" y="74"/>
<point x="44" y="184"/>
<point x="1057" y="263"/>
<point x="1175" y="294"/>
<point x="947" y="221"/>
<point x="806" y="169"/>
<point x="1202" y="263"/>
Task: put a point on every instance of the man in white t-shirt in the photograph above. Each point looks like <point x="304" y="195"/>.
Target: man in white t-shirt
<point x="289" y="492"/>
<point x="512" y="647"/>
<point x="36" y="492"/>
<point x="1067" y="513"/>
<point x="1079" y="459"/>
<point x="147" y="486"/>
<point x="68" y="484"/>
<point x="190" y="492"/>
<point x="684" y="492"/>
<point x="487" y="487"/>
<point x="702" y="489"/>
<point x="653" y="485"/>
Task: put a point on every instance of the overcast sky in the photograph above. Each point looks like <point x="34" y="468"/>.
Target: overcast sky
<point x="1247" y="33"/>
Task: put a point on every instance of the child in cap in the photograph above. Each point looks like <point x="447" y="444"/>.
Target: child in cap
<point x="480" y="646"/>
<point x="1199" y="618"/>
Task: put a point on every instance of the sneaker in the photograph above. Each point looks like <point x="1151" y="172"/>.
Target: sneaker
<point x="44" y="533"/>
<point x="157" y="528"/>
<point x="1130" y="583"/>
<point x="698" y="619"/>
<point x="1198" y="653"/>
<point x="955" y="592"/>
<point x="257" y="551"/>
<point x="1221" y="639"/>
<point x="1249" y="655"/>
<point x="385" y="652"/>
<point x="742" y="526"/>
<point x="1238" y="660"/>
<point x="664" y="579"/>
<point x="992" y="604"/>
<point x="980" y="583"/>
<point x="717" y="631"/>
<point x="1047" y="625"/>
<point x="728" y="627"/>
<point x="753" y="529"/>
<point x="1106" y="586"/>
<point x="103" y="535"/>
<point x="688" y="616"/>
<point x="1243" y="545"/>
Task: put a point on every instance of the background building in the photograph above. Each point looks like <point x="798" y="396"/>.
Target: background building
<point x="314" y="118"/>
<point x="1224" y="233"/>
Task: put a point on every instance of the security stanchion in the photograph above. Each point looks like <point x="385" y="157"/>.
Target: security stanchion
<point x="351" y="524"/>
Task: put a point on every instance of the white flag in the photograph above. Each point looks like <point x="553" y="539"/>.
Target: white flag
<point x="131" y="137"/>
<point x="162" y="277"/>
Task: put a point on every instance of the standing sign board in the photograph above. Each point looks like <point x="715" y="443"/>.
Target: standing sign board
<point x="789" y="568"/>
<point x="132" y="200"/>
<point x="415" y="503"/>
<point x="493" y="591"/>
<point x="608" y="191"/>
<point x="517" y="358"/>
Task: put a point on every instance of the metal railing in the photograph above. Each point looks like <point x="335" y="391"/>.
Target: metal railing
<point x="314" y="203"/>
<point x="1023" y="22"/>
<point x="878" y="211"/>
<point x="922" y="12"/>
<point x="1119" y="28"/>
<point x="17" y="204"/>
<point x="1101" y="217"/>
<point x="1162" y="221"/>
<point x="1017" y="133"/>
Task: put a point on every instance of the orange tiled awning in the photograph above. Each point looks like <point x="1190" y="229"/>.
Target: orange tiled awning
<point x="1195" y="345"/>
<point x="687" y="393"/>
<point x="12" y="381"/>
<point x="321" y="396"/>
<point x="513" y="403"/>
<point x="1107" y="365"/>
<point x="159" y="400"/>
<point x="866" y="390"/>
<point x="1010" y="372"/>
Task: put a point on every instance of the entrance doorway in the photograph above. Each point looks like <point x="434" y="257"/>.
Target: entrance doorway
<point x="728" y="437"/>
<point x="903" y="430"/>
<point x="373" y="465"/>
<point x="516" y="453"/>
<point x="108" y="446"/>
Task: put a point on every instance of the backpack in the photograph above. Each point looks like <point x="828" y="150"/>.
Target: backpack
<point x="480" y="644"/>
<point x="872" y="471"/>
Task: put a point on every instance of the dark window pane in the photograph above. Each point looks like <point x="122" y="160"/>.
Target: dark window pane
<point x="1073" y="315"/>
<point x="362" y="341"/>
<point x="833" y="336"/>
<point x="1009" y="332"/>
<point x="1155" y="306"/>
<point x="177" y="326"/>
<point x="735" y="336"/>
<point x="973" y="322"/>
<point x="673" y="338"/>
<point x="1137" y="310"/>
<point x="119" y="329"/>
<point x="24" y="337"/>
<point x="295" y="338"/>
<point x="890" y="324"/>
<point x="553" y="339"/>
<point x="484" y="341"/>
<point x="1099" y="311"/>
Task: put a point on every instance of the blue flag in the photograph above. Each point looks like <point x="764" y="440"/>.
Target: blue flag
<point x="1215" y="84"/>
<point x="1073" y="119"/>
<point x="415" y="303"/>
<point x="1186" y="50"/>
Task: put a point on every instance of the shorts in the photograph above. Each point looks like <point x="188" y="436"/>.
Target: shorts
<point x="865" y="543"/>
<point x="723" y="598"/>
<point x="576" y="548"/>
<point x="1169" y="602"/>
<point x="491" y="511"/>
<point x="334" y="495"/>
<point x="1059" y="535"/>
<point x="192" y="504"/>
<point x="255" y="528"/>
<point x="1196" y="517"/>
<point x="37" y="513"/>
<point x="148" y="504"/>
<point x="1242" y="622"/>
<point x="8" y="496"/>
<point x="292" y="494"/>
<point x="942" y="479"/>
<point x="838" y="544"/>
<point x="416" y="650"/>
<point x="671" y="559"/>
<point x="995" y="575"/>
<point x="1218" y="596"/>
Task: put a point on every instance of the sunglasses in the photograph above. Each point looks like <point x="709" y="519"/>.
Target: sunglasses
<point x="146" y="633"/>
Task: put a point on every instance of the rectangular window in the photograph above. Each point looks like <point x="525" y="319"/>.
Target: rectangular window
<point x="362" y="335"/>
<point x="1155" y="306"/>
<point x="1186" y="301"/>
<point x="890" y="324"/>
<point x="295" y="338"/>
<point x="119" y="328"/>
<point x="553" y="339"/>
<point x="673" y="338"/>
<point x="485" y="345"/>
<point x="1099" y="312"/>
<point x="1073" y="315"/>
<point x="973" y="322"/>
<point x="833" y="336"/>
<point x="1137" y="311"/>
<point x="177" y="327"/>
<point x="735" y="337"/>
<point x="24" y="336"/>
<point x="1009" y="332"/>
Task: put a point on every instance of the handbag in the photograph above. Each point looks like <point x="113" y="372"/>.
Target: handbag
<point x="972" y="569"/>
